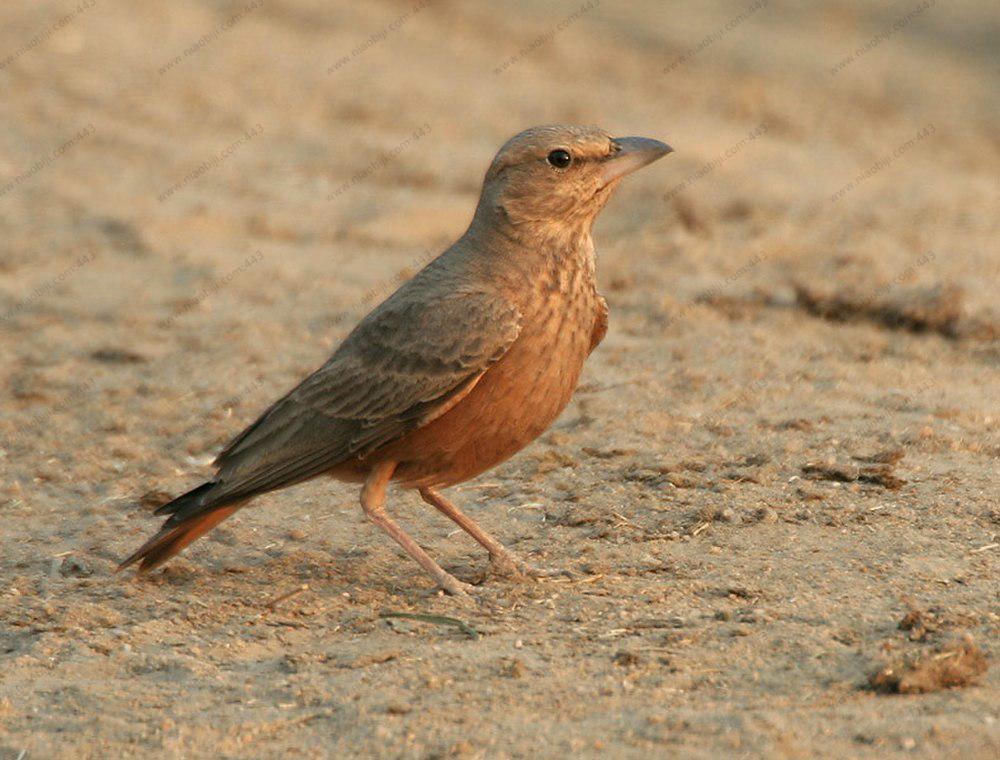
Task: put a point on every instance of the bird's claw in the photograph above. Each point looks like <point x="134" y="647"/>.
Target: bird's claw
<point x="453" y="586"/>
<point x="509" y="565"/>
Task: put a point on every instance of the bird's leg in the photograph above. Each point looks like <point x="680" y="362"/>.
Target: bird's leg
<point x="503" y="560"/>
<point x="373" y="503"/>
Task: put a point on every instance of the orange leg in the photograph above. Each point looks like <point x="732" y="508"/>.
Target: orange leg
<point x="504" y="560"/>
<point x="373" y="503"/>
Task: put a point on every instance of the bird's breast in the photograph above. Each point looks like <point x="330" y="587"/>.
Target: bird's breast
<point x="514" y="401"/>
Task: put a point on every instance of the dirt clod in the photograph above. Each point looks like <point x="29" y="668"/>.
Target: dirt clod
<point x="626" y="658"/>
<point x="935" y="309"/>
<point x="117" y="356"/>
<point x="954" y="666"/>
<point x="849" y="472"/>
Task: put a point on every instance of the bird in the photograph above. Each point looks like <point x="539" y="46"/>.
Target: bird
<point x="460" y="368"/>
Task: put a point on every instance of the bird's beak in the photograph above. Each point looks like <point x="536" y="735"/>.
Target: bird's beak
<point x="633" y="153"/>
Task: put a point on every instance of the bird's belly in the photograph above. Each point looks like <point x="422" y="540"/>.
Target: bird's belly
<point x="511" y="405"/>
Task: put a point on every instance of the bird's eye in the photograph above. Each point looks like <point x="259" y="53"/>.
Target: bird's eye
<point x="559" y="158"/>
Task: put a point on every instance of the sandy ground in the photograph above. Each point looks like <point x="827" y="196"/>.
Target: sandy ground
<point x="778" y="478"/>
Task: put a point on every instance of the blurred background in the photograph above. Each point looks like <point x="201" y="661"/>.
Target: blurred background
<point x="199" y="199"/>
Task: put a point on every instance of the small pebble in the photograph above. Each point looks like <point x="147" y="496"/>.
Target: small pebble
<point x="766" y="515"/>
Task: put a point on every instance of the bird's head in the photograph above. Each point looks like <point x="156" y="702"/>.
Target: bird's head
<point x="562" y="173"/>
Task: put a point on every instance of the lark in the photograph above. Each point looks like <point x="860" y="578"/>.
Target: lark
<point x="462" y="367"/>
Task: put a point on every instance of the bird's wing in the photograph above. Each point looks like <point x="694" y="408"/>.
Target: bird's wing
<point x="600" y="323"/>
<point x="403" y="365"/>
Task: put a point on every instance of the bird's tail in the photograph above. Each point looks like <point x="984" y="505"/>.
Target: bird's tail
<point x="192" y="515"/>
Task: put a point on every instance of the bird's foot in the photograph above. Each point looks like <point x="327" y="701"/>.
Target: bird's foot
<point x="510" y="565"/>
<point x="533" y="571"/>
<point x="455" y="587"/>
